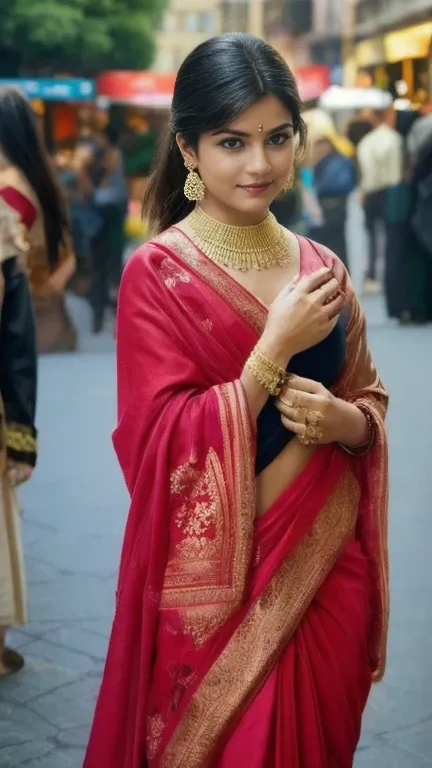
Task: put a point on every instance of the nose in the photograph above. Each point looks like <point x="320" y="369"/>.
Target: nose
<point x="258" y="162"/>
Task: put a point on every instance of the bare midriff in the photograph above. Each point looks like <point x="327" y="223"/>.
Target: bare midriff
<point x="280" y="474"/>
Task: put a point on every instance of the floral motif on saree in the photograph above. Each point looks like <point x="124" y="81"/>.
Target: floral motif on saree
<point x="208" y="599"/>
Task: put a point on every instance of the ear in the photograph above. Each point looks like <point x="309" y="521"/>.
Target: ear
<point x="188" y="154"/>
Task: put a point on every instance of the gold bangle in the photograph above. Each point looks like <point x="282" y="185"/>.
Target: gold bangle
<point x="362" y="449"/>
<point x="270" y="375"/>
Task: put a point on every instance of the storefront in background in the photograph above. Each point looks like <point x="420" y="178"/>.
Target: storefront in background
<point x="138" y="106"/>
<point x="399" y="61"/>
<point x="56" y="103"/>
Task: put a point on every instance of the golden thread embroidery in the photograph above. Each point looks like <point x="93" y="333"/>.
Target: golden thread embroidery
<point x="214" y="276"/>
<point x="173" y="274"/>
<point x="270" y="624"/>
<point x="205" y="577"/>
<point x="198" y="512"/>
<point x="201" y="622"/>
<point x="20" y="438"/>
<point x="155" y="729"/>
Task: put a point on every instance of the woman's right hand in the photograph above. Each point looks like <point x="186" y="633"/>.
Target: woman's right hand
<point x="302" y="316"/>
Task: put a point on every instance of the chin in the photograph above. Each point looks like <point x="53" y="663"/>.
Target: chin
<point x="254" y="206"/>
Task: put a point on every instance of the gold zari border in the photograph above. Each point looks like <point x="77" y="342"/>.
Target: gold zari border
<point x="20" y="438"/>
<point x="270" y="624"/>
<point x="205" y="581"/>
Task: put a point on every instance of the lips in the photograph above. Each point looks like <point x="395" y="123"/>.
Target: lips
<point x="256" y="189"/>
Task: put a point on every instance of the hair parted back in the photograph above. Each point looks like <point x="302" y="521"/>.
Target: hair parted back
<point x="22" y="146"/>
<point x="218" y="81"/>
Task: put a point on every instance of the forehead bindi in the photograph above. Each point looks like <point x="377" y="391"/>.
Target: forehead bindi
<point x="265" y="116"/>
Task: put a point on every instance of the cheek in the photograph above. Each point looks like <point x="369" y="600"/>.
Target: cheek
<point x="282" y="161"/>
<point x="220" y="169"/>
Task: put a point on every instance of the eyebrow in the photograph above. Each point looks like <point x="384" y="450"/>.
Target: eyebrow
<point x="243" y="135"/>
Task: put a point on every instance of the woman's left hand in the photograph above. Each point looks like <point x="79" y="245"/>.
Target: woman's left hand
<point x="317" y="416"/>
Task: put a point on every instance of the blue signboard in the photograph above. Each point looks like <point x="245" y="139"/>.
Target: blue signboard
<point x="55" y="89"/>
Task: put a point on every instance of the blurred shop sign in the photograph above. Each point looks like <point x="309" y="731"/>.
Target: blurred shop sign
<point x="55" y="89"/>
<point x="313" y="81"/>
<point x="146" y="89"/>
<point x="411" y="43"/>
<point x="370" y="53"/>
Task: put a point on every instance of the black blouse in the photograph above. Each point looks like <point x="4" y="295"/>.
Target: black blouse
<point x="18" y="364"/>
<point x="323" y="363"/>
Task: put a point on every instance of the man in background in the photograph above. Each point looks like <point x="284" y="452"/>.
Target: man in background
<point x="380" y="162"/>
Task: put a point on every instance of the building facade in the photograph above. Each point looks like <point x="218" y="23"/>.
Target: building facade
<point x="393" y="45"/>
<point x="186" y="24"/>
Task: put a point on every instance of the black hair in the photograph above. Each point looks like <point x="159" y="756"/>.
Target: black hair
<point x="218" y="81"/>
<point x="22" y="146"/>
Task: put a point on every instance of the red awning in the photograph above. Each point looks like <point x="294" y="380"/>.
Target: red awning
<point x="147" y="89"/>
<point x="313" y="81"/>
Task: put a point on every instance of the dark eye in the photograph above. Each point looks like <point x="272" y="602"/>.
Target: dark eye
<point x="279" y="138"/>
<point x="231" y="143"/>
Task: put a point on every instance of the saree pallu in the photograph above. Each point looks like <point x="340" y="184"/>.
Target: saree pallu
<point x="232" y="636"/>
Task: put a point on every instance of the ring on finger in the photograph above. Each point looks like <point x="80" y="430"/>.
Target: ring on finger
<point x="313" y="418"/>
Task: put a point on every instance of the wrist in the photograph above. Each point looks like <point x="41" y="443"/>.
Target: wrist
<point x="274" y="350"/>
<point x="354" y="426"/>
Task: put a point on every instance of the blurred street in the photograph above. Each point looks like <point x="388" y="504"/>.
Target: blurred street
<point x="74" y="512"/>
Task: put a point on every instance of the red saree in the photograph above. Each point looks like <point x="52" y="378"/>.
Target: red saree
<point x="232" y="637"/>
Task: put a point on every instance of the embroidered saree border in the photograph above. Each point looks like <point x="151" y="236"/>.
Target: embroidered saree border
<point x="179" y="241"/>
<point x="205" y="579"/>
<point x="268" y="627"/>
<point x="372" y="396"/>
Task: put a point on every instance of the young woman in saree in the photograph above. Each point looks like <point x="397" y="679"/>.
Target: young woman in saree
<point x="18" y="374"/>
<point x="32" y="221"/>
<point x="252" y="602"/>
<point x="29" y="187"/>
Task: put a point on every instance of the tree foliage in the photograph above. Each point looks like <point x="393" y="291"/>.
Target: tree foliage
<point x="81" y="36"/>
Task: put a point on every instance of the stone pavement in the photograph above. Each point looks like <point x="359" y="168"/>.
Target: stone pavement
<point x="74" y="513"/>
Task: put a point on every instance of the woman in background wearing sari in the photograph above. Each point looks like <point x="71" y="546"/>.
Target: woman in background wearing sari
<point x="31" y="211"/>
<point x="18" y="373"/>
<point x="252" y="602"/>
<point x="29" y="187"/>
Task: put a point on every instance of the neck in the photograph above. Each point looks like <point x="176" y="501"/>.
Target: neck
<point x="226" y="215"/>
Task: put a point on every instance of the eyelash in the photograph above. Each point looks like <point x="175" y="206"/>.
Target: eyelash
<point x="285" y="136"/>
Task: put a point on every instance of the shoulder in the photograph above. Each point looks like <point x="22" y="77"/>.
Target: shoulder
<point x="319" y="255"/>
<point x="148" y="265"/>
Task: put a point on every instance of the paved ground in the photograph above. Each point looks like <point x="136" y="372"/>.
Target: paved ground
<point x="74" y="513"/>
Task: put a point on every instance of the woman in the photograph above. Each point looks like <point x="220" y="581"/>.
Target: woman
<point x="334" y="179"/>
<point x="28" y="185"/>
<point x="17" y="415"/>
<point x="252" y="602"/>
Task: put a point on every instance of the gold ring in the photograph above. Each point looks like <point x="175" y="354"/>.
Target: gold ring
<point x="311" y="436"/>
<point x="313" y="418"/>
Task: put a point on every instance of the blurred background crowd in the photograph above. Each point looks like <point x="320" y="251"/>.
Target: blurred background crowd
<point x="365" y="75"/>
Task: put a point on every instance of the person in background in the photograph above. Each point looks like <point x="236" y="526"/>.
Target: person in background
<point x="357" y="128"/>
<point x="418" y="286"/>
<point x="380" y="162"/>
<point x="334" y="180"/>
<point x="18" y="378"/>
<point x="110" y="199"/>
<point x="28" y="176"/>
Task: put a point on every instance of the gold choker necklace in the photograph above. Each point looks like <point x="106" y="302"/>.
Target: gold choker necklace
<point x="259" y="247"/>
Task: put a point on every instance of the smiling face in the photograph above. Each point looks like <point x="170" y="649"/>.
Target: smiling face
<point x="245" y="164"/>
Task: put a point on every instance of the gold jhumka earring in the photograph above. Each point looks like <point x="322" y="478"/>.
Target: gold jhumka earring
<point x="194" y="188"/>
<point x="289" y="182"/>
